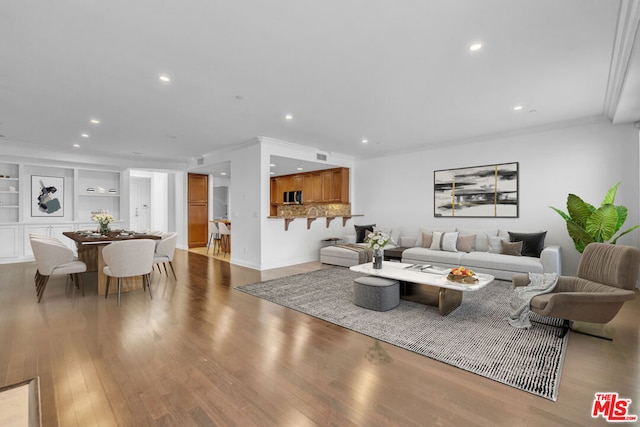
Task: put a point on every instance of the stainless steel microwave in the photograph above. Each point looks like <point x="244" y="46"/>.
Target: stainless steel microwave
<point x="292" y="197"/>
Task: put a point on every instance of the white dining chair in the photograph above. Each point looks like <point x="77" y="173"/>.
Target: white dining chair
<point x="130" y="258"/>
<point x="225" y="237"/>
<point x="55" y="259"/>
<point x="165" y="249"/>
<point x="214" y="234"/>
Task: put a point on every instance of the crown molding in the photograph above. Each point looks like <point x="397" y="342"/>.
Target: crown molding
<point x="626" y="33"/>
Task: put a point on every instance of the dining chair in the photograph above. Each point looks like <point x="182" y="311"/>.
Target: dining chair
<point x="129" y="259"/>
<point x="214" y="234"/>
<point x="55" y="259"/>
<point x="164" y="251"/>
<point x="225" y="237"/>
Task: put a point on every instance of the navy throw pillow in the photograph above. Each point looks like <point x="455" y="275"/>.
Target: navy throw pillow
<point x="532" y="243"/>
<point x="362" y="231"/>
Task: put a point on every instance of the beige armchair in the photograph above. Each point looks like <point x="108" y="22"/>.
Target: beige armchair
<point x="52" y="259"/>
<point x="165" y="249"/>
<point x="606" y="278"/>
<point x="129" y="259"/>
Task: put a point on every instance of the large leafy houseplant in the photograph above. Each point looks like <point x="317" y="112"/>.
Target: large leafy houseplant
<point x="586" y="224"/>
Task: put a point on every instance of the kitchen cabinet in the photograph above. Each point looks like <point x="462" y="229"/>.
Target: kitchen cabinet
<point x="327" y="186"/>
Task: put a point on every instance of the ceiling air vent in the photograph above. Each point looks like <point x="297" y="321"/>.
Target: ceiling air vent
<point x="321" y="156"/>
<point x="200" y="161"/>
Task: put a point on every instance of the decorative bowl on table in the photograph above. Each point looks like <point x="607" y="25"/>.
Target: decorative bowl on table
<point x="462" y="275"/>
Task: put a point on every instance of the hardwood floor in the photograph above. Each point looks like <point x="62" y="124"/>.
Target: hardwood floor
<point x="203" y="353"/>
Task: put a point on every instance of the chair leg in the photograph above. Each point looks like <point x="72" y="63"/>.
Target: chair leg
<point x="45" y="279"/>
<point x="147" y="277"/>
<point x="106" y="293"/>
<point x="172" y="270"/>
<point x="164" y="264"/>
<point x="79" y="282"/>
<point x="209" y="243"/>
<point x="119" y="287"/>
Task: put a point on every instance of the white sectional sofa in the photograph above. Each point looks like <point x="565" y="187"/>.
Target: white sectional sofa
<point x="486" y="255"/>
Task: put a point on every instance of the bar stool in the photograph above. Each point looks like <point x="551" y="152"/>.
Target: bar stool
<point x="225" y="237"/>
<point x="214" y="235"/>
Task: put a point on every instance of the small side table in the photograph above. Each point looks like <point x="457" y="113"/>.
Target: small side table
<point x="394" y="254"/>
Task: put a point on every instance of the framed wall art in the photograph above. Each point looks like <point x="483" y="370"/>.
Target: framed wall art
<point x="489" y="191"/>
<point x="47" y="196"/>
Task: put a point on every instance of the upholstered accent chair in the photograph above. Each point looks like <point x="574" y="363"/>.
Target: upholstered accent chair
<point x="129" y="259"/>
<point x="165" y="249"/>
<point x="53" y="258"/>
<point x="606" y="278"/>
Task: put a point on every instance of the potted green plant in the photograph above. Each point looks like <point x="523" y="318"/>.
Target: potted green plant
<point x="586" y="224"/>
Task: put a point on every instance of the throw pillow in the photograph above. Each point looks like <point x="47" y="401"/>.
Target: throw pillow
<point x="466" y="243"/>
<point x="362" y="231"/>
<point x="427" y="239"/>
<point x="494" y="244"/>
<point x="511" y="248"/>
<point x="532" y="243"/>
<point x="444" y="241"/>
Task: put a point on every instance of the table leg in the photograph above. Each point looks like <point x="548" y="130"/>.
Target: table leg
<point x="448" y="300"/>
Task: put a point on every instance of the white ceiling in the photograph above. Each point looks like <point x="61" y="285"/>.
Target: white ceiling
<point x="398" y="73"/>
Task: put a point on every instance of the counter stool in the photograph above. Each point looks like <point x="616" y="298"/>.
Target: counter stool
<point x="376" y="293"/>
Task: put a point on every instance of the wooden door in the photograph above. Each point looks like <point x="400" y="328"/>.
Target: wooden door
<point x="198" y="209"/>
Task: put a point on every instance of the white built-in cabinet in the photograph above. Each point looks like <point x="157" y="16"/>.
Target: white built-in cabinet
<point x="85" y="191"/>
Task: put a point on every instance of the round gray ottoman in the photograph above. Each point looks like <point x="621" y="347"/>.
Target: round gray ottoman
<point x="376" y="293"/>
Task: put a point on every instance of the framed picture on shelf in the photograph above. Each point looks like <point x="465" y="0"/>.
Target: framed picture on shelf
<point x="47" y="196"/>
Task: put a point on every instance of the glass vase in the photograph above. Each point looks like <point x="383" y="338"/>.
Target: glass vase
<point x="377" y="260"/>
<point x="104" y="229"/>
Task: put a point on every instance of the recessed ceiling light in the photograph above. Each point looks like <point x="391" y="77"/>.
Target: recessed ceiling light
<point x="288" y="117"/>
<point x="475" y="46"/>
<point x="84" y="135"/>
<point x="95" y="121"/>
<point x="272" y="173"/>
<point x="164" y="79"/>
<point x="76" y="145"/>
<point x="364" y="141"/>
<point x="223" y="173"/>
<point x="300" y="168"/>
<point x="517" y="108"/>
<point x="273" y="165"/>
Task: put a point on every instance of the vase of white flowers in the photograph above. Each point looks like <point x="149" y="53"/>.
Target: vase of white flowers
<point x="376" y="241"/>
<point x="103" y="220"/>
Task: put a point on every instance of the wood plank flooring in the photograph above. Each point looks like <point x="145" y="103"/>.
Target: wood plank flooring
<point x="202" y="353"/>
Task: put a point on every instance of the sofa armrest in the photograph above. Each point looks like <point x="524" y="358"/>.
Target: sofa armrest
<point x="551" y="258"/>
<point x="407" y="241"/>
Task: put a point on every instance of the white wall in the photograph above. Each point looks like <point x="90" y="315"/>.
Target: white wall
<point x="586" y="160"/>
<point x="297" y="245"/>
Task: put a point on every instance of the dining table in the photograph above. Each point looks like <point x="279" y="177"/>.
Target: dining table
<point x="90" y="244"/>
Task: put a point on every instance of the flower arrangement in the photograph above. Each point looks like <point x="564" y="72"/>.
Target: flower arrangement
<point x="378" y="240"/>
<point x="104" y="219"/>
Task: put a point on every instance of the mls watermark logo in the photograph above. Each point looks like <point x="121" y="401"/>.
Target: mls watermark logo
<point x="612" y="408"/>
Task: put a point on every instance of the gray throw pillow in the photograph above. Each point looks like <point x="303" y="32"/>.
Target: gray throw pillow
<point x="511" y="248"/>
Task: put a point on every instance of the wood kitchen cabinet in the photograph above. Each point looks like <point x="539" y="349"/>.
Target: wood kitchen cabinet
<point x="327" y="186"/>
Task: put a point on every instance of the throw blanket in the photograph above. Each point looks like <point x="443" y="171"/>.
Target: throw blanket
<point x="364" y="254"/>
<point x="521" y="299"/>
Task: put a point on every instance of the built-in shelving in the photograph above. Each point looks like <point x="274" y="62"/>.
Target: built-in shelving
<point x="9" y="193"/>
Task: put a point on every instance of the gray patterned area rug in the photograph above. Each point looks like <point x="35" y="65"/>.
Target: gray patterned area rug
<point x="475" y="337"/>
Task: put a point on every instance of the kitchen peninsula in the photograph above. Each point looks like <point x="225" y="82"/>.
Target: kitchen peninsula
<point x="319" y="194"/>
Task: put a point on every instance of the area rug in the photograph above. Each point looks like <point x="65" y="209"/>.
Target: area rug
<point x="475" y="337"/>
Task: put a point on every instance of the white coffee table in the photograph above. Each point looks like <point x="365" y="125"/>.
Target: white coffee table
<point x="449" y="293"/>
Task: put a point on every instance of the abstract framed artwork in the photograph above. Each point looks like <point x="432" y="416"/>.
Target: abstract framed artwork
<point x="489" y="191"/>
<point x="47" y="196"/>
